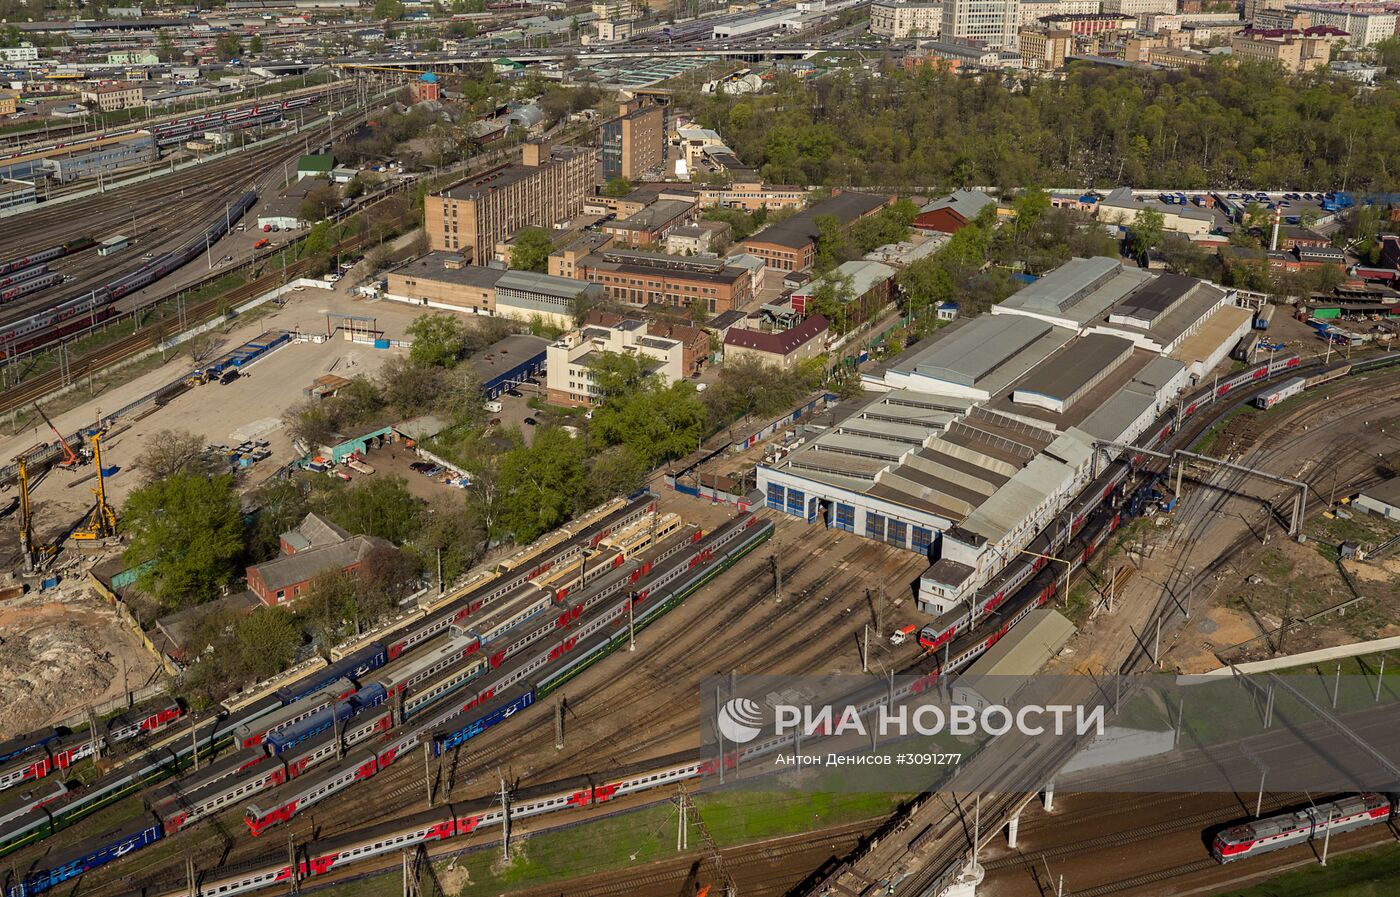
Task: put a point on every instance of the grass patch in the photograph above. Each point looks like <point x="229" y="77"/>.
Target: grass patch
<point x="642" y="836"/>
<point x="1370" y="873"/>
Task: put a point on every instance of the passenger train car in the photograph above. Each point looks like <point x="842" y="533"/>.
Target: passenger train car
<point x="80" y="312"/>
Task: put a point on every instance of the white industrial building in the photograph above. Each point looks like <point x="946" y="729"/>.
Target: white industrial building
<point x="982" y="435"/>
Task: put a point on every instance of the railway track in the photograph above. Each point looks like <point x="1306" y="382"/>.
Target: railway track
<point x="400" y="787"/>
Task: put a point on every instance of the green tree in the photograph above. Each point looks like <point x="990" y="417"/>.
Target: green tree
<point x="266" y="642"/>
<point x="1145" y="233"/>
<point x="616" y="375"/>
<point x="531" y="250"/>
<point x="617" y="187"/>
<point x="390" y="10"/>
<point x="165" y="46"/>
<point x="191" y="529"/>
<point x="538" y="485"/>
<point x="438" y="339"/>
<point x="654" y="423"/>
<point x="227" y="46"/>
<point x="255" y="45"/>
<point x="831" y="296"/>
<point x="169" y="452"/>
<point x="379" y="506"/>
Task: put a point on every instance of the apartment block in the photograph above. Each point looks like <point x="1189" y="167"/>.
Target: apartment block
<point x="892" y="18"/>
<point x="1364" y="24"/>
<point x="569" y="361"/>
<point x="634" y="143"/>
<point x="548" y="186"/>
<point x="1137" y="8"/>
<point x="1089" y="24"/>
<point x="991" y="24"/>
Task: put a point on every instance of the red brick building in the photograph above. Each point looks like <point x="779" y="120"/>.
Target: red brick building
<point x="315" y="546"/>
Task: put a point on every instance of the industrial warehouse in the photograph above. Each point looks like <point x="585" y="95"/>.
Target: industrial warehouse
<point x="982" y="435"/>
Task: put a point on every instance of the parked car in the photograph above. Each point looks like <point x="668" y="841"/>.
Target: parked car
<point x="514" y="392"/>
<point x="530" y="422"/>
<point x="421" y="466"/>
<point x="261" y="243"/>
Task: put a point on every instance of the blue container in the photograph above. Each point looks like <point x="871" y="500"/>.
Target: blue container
<point x="49" y="582"/>
<point x="381" y="344"/>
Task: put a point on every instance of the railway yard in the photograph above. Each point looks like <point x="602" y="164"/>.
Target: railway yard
<point x="815" y="626"/>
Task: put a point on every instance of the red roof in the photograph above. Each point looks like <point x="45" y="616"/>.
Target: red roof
<point x="782" y="342"/>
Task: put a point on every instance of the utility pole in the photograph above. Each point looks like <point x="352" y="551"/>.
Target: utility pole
<point x="427" y="777"/>
<point x="682" y="829"/>
<point x="1327" y="837"/>
<point x="441" y="587"/>
<point x="865" y="650"/>
<point x="293" y="886"/>
<point x="194" y="747"/>
<point x="777" y="579"/>
<point x="505" y="821"/>
<point x="631" y="622"/>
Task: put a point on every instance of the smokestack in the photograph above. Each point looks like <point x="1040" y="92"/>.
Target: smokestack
<point x="1278" y="216"/>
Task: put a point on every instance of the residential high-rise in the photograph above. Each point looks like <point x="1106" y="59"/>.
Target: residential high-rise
<point x="634" y="142"/>
<point x="473" y="215"/>
<point x="990" y="23"/>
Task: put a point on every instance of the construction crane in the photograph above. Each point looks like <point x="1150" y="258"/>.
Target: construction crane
<point x="35" y="552"/>
<point x="71" y="460"/>
<point x="101" y="521"/>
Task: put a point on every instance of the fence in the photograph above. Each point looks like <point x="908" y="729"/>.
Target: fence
<point x="133" y="624"/>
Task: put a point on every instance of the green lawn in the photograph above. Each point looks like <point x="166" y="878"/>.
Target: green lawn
<point x="1372" y="873"/>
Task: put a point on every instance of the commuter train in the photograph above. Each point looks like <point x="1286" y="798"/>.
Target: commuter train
<point x="32" y="757"/>
<point x="250" y="769"/>
<point x="80" y="312"/>
<point x="179" y="131"/>
<point x="1310" y="823"/>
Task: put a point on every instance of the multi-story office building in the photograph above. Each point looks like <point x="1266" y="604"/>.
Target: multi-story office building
<point x="893" y="18"/>
<point x="990" y="23"/>
<point x="634" y="142"/>
<point x="473" y="215"/>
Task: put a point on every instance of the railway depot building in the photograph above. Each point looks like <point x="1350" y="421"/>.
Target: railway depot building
<point x="982" y="437"/>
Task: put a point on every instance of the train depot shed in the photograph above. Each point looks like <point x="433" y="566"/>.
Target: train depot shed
<point x="983" y="435"/>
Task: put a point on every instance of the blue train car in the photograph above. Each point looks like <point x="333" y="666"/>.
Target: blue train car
<point x="469" y="724"/>
<point x="98" y="852"/>
<point x="25" y="743"/>
<point x="354" y="666"/>
<point x="287" y="737"/>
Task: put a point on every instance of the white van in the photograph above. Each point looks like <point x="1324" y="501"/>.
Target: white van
<point x="493" y="407"/>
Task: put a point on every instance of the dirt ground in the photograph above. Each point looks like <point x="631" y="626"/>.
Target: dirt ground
<point x="64" y="649"/>
<point x="1239" y="607"/>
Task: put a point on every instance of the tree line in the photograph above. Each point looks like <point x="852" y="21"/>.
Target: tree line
<point x="1229" y="126"/>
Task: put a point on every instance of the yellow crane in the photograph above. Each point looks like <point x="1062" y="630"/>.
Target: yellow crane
<point x="35" y="552"/>
<point x="101" y="521"/>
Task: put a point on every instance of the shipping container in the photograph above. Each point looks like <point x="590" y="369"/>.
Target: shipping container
<point x="1264" y="316"/>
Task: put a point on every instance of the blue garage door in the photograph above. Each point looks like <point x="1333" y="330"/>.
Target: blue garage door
<point x="775" y="496"/>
